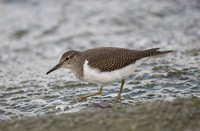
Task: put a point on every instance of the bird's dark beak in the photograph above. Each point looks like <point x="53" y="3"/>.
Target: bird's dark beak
<point x="55" y="67"/>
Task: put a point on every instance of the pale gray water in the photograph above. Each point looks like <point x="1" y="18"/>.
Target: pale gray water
<point x="34" y="34"/>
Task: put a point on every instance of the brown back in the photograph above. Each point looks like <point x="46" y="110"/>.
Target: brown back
<point x="107" y="59"/>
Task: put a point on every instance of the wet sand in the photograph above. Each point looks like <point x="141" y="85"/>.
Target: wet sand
<point x="180" y="115"/>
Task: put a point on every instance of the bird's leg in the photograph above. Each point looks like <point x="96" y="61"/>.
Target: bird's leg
<point x="85" y="97"/>
<point x="119" y="94"/>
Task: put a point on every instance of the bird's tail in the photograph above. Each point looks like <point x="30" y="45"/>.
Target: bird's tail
<point x="154" y="52"/>
<point x="150" y="52"/>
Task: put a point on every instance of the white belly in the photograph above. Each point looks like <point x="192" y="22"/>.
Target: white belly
<point x="105" y="78"/>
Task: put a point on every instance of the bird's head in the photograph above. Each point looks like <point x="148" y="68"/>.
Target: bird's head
<point x="66" y="60"/>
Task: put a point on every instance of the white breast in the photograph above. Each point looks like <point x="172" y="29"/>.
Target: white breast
<point x="105" y="78"/>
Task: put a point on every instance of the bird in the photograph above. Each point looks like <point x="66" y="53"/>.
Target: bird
<point x="104" y="66"/>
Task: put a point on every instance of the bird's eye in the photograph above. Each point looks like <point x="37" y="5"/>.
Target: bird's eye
<point x="67" y="58"/>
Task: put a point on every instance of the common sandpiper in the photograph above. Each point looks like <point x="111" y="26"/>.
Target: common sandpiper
<point x="104" y="66"/>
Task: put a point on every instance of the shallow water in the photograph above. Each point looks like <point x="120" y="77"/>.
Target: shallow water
<point x="34" y="34"/>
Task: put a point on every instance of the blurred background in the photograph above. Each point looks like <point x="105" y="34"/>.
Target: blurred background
<point x="35" y="33"/>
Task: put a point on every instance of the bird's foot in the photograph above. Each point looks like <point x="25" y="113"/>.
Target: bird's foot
<point x="116" y="99"/>
<point x="76" y="99"/>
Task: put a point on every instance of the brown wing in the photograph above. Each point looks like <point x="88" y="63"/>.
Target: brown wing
<point x="110" y="58"/>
